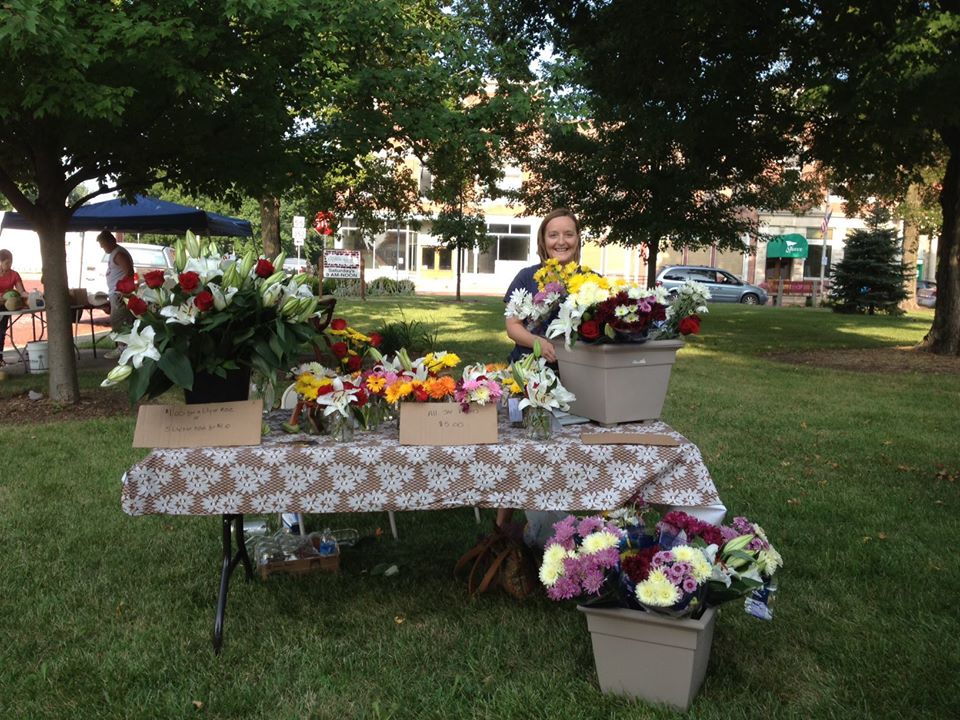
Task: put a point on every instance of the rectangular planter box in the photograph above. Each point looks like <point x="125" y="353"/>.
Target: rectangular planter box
<point x="618" y="383"/>
<point x="445" y="423"/>
<point x="650" y="656"/>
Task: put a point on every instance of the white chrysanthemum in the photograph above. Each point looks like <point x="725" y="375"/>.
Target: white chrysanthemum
<point x="702" y="569"/>
<point x="595" y="542"/>
<point x="657" y="590"/>
<point x="685" y="553"/>
<point x="768" y="561"/>
<point x="552" y="568"/>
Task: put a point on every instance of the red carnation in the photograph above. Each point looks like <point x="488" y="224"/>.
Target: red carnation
<point x="189" y="281"/>
<point x="137" y="306"/>
<point x="362" y="397"/>
<point x="340" y="349"/>
<point x="154" y="279"/>
<point x="354" y="363"/>
<point x="589" y="330"/>
<point x="689" y="325"/>
<point x="376" y="339"/>
<point x="204" y="301"/>
<point x="127" y="285"/>
<point x="338" y="324"/>
<point x="420" y="395"/>
<point x="264" y="268"/>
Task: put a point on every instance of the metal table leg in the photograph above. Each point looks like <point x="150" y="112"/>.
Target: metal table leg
<point x="230" y="561"/>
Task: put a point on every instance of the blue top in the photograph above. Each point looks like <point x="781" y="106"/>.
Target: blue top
<point x="524" y="279"/>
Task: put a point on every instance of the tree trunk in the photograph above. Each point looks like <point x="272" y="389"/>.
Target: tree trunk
<point x="654" y="251"/>
<point x="944" y="335"/>
<point x="911" y="242"/>
<point x="270" y="226"/>
<point x="51" y="227"/>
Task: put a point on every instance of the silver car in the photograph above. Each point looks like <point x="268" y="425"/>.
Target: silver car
<point x="723" y="286"/>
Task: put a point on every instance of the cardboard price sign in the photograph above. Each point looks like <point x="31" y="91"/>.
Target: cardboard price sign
<point x="445" y="423"/>
<point x="204" y="425"/>
<point x="341" y="264"/>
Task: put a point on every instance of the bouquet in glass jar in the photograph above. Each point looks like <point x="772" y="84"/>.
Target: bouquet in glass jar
<point x="541" y="392"/>
<point x="331" y="402"/>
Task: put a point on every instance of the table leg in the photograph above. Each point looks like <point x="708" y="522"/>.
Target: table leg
<point x="229" y="562"/>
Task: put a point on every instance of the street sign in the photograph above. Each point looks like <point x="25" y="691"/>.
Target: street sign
<point x="299" y="221"/>
<point x="341" y="263"/>
<point x="299" y="233"/>
<point x="298" y="242"/>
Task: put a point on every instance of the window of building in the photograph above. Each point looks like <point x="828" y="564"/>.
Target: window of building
<point x="811" y="266"/>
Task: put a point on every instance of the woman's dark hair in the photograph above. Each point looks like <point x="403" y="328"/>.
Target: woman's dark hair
<point x="542" y="232"/>
<point x="6" y="255"/>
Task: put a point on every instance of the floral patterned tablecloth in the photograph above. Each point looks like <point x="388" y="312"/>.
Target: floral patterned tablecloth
<point x="312" y="474"/>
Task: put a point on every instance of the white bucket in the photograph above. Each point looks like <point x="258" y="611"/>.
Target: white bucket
<point x="37" y="357"/>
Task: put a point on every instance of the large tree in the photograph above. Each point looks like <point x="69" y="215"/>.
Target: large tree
<point x="878" y="81"/>
<point x="671" y="121"/>
<point x="219" y="98"/>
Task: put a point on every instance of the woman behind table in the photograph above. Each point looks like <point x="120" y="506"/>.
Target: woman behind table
<point x="9" y="280"/>
<point x="558" y="239"/>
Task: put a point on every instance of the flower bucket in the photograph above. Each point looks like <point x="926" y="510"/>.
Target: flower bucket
<point x="209" y="388"/>
<point x="617" y="383"/>
<point x="37" y="357"/>
<point x="650" y="656"/>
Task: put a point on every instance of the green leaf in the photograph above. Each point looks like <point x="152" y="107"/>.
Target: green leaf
<point x="176" y="366"/>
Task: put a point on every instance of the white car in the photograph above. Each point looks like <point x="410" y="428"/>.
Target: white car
<point x="145" y="258"/>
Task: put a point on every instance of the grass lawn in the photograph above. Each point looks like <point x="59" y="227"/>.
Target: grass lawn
<point x="852" y="474"/>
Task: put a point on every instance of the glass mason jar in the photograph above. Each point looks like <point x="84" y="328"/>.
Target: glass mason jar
<point x="538" y="422"/>
<point x="339" y="427"/>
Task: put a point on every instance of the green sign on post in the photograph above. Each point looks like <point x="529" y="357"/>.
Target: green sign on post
<point x="793" y="245"/>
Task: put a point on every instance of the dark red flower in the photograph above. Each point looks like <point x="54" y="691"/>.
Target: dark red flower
<point x="203" y="301"/>
<point x="264" y="268"/>
<point x="689" y="325"/>
<point x="137" y="306"/>
<point x="362" y="397"/>
<point x="589" y="330"/>
<point x="354" y="362"/>
<point x="154" y="279"/>
<point x="189" y="281"/>
<point x="637" y="565"/>
<point x="420" y="395"/>
<point x="340" y="349"/>
<point x="376" y="339"/>
<point x="338" y="324"/>
<point x="127" y="285"/>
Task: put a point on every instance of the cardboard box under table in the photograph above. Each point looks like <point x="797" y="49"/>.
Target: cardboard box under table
<point x="313" y="474"/>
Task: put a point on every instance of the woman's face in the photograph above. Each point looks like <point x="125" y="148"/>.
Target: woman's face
<point x="5" y="265"/>
<point x="561" y="239"/>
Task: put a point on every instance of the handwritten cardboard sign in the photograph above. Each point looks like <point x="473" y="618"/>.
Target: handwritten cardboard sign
<point x="204" y="425"/>
<point x="445" y="423"/>
<point x="616" y="438"/>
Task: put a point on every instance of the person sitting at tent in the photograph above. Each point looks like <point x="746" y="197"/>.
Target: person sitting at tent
<point x="9" y="280"/>
<point x="119" y="266"/>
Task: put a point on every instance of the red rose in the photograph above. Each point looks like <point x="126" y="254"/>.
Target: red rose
<point x="189" y="281"/>
<point x="362" y="398"/>
<point x="354" y="363"/>
<point x="264" y="268"/>
<point x="589" y="330"/>
<point x="127" y="285"/>
<point x="376" y="339"/>
<point x="339" y="349"/>
<point x="338" y="324"/>
<point x="689" y="325"/>
<point x="203" y="301"/>
<point x="137" y="306"/>
<point x="420" y="395"/>
<point x="154" y="279"/>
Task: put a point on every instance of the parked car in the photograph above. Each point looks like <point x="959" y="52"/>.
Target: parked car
<point x="926" y="293"/>
<point x="295" y="265"/>
<point x="145" y="258"/>
<point x="723" y="286"/>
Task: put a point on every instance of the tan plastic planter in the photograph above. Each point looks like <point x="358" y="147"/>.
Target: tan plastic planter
<point x="649" y="656"/>
<point x="618" y="382"/>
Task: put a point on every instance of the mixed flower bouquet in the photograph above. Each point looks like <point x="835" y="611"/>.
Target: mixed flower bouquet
<point x="402" y="379"/>
<point x="680" y="569"/>
<point x="540" y="390"/>
<point x="200" y="317"/>
<point x="349" y="345"/>
<point x="578" y="304"/>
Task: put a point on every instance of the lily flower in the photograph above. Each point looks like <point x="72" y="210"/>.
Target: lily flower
<point x="139" y="345"/>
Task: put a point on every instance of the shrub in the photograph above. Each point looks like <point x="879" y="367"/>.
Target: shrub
<point x="381" y="286"/>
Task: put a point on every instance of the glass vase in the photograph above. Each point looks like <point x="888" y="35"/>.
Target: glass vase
<point x="538" y="422"/>
<point x="339" y="427"/>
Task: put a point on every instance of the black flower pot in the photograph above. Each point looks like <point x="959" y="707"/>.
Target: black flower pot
<point x="209" y="388"/>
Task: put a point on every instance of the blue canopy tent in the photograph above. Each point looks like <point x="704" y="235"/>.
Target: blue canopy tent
<point x="145" y="215"/>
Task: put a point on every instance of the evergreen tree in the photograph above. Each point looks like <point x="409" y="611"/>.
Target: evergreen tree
<point x="871" y="275"/>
